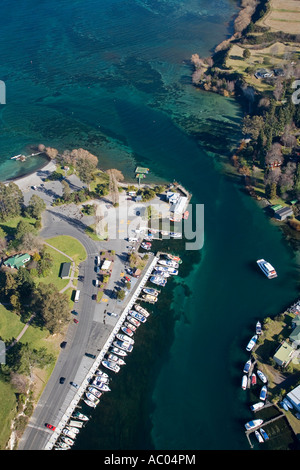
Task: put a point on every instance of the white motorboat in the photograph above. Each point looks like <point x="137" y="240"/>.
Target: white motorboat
<point x="134" y="321"/>
<point x="267" y="268"/>
<point x="130" y="326"/>
<point x="255" y="423"/>
<point x="258" y="436"/>
<point x="257" y="406"/>
<point x="111" y="365"/>
<point x="141" y="310"/>
<point x="119" y="352"/>
<point x="247" y="366"/>
<point x="116" y="359"/>
<point x="123" y="345"/>
<point x="252" y="343"/>
<point x="244" y="382"/>
<point x="262" y="376"/>
<point x="102" y="374"/>
<point x="122" y="337"/>
<point x="258" y="328"/>
<point x="90" y="396"/>
<point x="95" y="392"/>
<point x="127" y="331"/>
<point x="101" y="386"/>
<point x="90" y="403"/>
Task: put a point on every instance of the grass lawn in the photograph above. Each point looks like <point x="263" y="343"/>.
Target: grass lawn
<point x="10" y="225"/>
<point x="53" y="276"/>
<point x="7" y="411"/>
<point x="10" y="324"/>
<point x="70" y="246"/>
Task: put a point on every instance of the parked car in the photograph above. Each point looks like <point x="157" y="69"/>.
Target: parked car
<point x="63" y="344"/>
<point x="90" y="355"/>
<point x="74" y="384"/>
<point x="74" y="312"/>
<point x="112" y="314"/>
<point x="62" y="380"/>
<point x="75" y="320"/>
<point x="94" y="297"/>
<point x="50" y="426"/>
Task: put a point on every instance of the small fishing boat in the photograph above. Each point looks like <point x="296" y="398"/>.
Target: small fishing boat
<point x="161" y="274"/>
<point x="262" y="376"/>
<point x="264" y="434"/>
<point x="151" y="291"/>
<point x="168" y="263"/>
<point x="127" y="331"/>
<point x="76" y="424"/>
<point x="253" y="379"/>
<point x="255" y="423"/>
<point x="111" y="365"/>
<point x="69" y="433"/>
<point x="263" y="393"/>
<point x="122" y="337"/>
<point x="101" y="386"/>
<point x="257" y="406"/>
<point x="252" y="343"/>
<point x="134" y="321"/>
<point x="149" y="298"/>
<point x="146" y="245"/>
<point x="123" y="345"/>
<point x="244" y="382"/>
<point x="141" y="310"/>
<point x="138" y="316"/>
<point x="158" y="280"/>
<point x="100" y="373"/>
<point x="174" y="258"/>
<point x="95" y="392"/>
<point x="81" y="416"/>
<point x="67" y="440"/>
<point x="90" y="396"/>
<point x="247" y="366"/>
<point x="90" y="403"/>
<point x="119" y="352"/>
<point x="116" y="359"/>
<point x="72" y="429"/>
<point x="130" y="326"/>
<point x="258" y="436"/>
<point x="258" y="328"/>
<point x="64" y="446"/>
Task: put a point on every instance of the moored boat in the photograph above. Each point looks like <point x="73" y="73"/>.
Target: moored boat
<point x="95" y="392"/>
<point x="264" y="434"/>
<point x="151" y="291"/>
<point x="257" y="406"/>
<point x="130" y="326"/>
<point x="255" y="423"/>
<point x="168" y="263"/>
<point x="284" y="406"/>
<point x="258" y="328"/>
<point x="123" y="345"/>
<point x="69" y="433"/>
<point x="111" y="365"/>
<point x="122" y="337"/>
<point x="158" y="280"/>
<point x="244" y="382"/>
<point x="138" y="316"/>
<point x="81" y="416"/>
<point x="288" y="404"/>
<point x="116" y="359"/>
<point x="163" y="275"/>
<point x="102" y="374"/>
<point x="263" y="393"/>
<point x="72" y="429"/>
<point x="262" y="376"/>
<point x="253" y="379"/>
<point x="174" y="258"/>
<point x="134" y="321"/>
<point x="101" y="386"/>
<point x="119" y="352"/>
<point x="247" y="366"/>
<point x="90" y="403"/>
<point x="267" y="268"/>
<point x="251" y="343"/>
<point x="127" y="331"/>
<point x="67" y="440"/>
<point x="90" y="396"/>
<point x="75" y="424"/>
<point x="141" y="310"/>
<point x="149" y="298"/>
<point x="258" y="436"/>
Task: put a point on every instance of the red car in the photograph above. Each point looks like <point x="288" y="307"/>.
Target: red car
<point x="75" y="321"/>
<point x="49" y="426"/>
<point x="127" y="279"/>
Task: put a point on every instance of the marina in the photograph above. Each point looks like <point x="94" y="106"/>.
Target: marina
<point x="118" y="345"/>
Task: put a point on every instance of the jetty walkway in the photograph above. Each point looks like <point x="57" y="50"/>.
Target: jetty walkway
<point x="67" y="414"/>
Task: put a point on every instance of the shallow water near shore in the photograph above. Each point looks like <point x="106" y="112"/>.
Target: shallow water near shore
<point x="115" y="79"/>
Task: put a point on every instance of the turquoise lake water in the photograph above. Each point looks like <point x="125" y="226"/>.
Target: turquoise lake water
<point x="114" y="77"/>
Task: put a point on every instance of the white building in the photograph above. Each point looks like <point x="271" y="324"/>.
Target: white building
<point x="179" y="207"/>
<point x="294" y="398"/>
<point x="106" y="265"/>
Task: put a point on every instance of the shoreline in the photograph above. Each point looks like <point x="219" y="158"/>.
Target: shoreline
<point x="33" y="178"/>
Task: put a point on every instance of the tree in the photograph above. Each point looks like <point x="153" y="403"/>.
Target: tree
<point x="246" y="53"/>
<point x="252" y="126"/>
<point x="36" y="206"/>
<point x="274" y="155"/>
<point x="66" y="190"/>
<point x="24" y="227"/>
<point x="51" y="307"/>
<point x="11" y="201"/>
<point x="121" y="295"/>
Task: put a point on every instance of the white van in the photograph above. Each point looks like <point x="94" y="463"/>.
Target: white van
<point x="132" y="239"/>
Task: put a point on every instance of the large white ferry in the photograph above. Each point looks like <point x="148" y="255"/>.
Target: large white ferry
<point x="267" y="268"/>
